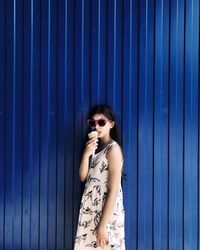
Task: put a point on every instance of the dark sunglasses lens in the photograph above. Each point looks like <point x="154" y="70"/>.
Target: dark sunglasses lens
<point x="91" y="123"/>
<point x="102" y="122"/>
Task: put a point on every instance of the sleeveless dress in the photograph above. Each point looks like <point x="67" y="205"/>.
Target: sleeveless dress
<point x="92" y="202"/>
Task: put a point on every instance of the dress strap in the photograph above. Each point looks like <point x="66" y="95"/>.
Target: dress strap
<point x="108" y="146"/>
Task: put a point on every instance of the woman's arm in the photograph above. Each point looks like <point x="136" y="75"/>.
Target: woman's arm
<point x="84" y="167"/>
<point x="114" y="156"/>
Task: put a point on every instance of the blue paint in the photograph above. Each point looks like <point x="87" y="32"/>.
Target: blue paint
<point x="59" y="58"/>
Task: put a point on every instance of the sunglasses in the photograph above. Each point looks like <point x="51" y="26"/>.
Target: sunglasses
<point x="101" y="122"/>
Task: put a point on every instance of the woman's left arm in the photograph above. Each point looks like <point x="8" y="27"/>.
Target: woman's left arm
<point x="114" y="156"/>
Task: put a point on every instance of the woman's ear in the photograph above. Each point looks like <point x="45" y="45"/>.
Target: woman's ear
<point x="112" y="124"/>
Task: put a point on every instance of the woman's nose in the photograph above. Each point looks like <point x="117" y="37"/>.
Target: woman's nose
<point x="97" y="126"/>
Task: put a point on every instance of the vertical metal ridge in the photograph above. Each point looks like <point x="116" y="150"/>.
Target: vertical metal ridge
<point x="130" y="67"/>
<point x="168" y="126"/>
<point x="159" y="125"/>
<point x="61" y="123"/>
<point x="145" y="112"/>
<point x="106" y="89"/>
<point x="31" y="117"/>
<point x="138" y="122"/>
<point x="122" y="76"/>
<point x="161" y="104"/>
<point x="2" y="121"/>
<point x="74" y="98"/>
<point x="129" y="126"/>
<point x="153" y="125"/>
<point x="82" y="47"/>
<point x="162" y="24"/>
<point x="191" y="121"/>
<point x="13" y="117"/>
<point x="40" y="136"/>
<point x="130" y="58"/>
<point x="176" y="104"/>
<point x="177" y="113"/>
<point x="184" y="130"/>
<point x="198" y="117"/>
<point x="57" y="124"/>
<point x="99" y="47"/>
<point x="48" y="108"/>
<point x="114" y="51"/>
<point x="198" y="133"/>
<point x="65" y="105"/>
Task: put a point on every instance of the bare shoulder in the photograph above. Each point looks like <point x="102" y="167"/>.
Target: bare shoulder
<point x="115" y="152"/>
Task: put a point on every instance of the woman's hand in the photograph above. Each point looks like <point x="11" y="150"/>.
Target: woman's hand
<point x="101" y="234"/>
<point x="91" y="146"/>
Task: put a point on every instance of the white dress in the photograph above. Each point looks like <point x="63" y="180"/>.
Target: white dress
<point x="92" y="202"/>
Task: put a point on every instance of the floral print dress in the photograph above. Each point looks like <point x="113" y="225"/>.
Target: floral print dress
<point x="92" y="202"/>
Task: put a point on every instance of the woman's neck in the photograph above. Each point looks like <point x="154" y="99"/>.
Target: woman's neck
<point x="105" y="140"/>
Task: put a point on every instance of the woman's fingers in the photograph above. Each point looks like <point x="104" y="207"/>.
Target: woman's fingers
<point x="102" y="242"/>
<point x="92" y="141"/>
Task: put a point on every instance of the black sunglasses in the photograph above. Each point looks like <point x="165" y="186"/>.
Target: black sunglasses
<point x="92" y="122"/>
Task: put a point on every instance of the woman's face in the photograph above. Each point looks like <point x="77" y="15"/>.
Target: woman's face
<point x="105" y="130"/>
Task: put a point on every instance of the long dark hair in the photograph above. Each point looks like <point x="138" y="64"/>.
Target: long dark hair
<point x="107" y="111"/>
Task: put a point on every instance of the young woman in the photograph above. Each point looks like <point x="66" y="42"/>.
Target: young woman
<point x="101" y="216"/>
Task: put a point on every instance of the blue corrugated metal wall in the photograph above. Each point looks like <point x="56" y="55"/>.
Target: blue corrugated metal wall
<point x="58" y="58"/>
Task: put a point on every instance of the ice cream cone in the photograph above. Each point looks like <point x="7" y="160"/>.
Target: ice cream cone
<point x="93" y="134"/>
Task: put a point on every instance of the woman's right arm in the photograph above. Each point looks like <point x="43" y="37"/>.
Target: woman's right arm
<point x="84" y="167"/>
<point x="91" y="145"/>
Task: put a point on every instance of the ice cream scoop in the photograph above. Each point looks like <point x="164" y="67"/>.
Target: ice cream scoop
<point x="93" y="134"/>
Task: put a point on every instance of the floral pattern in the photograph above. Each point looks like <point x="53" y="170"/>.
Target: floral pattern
<point x="92" y="202"/>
